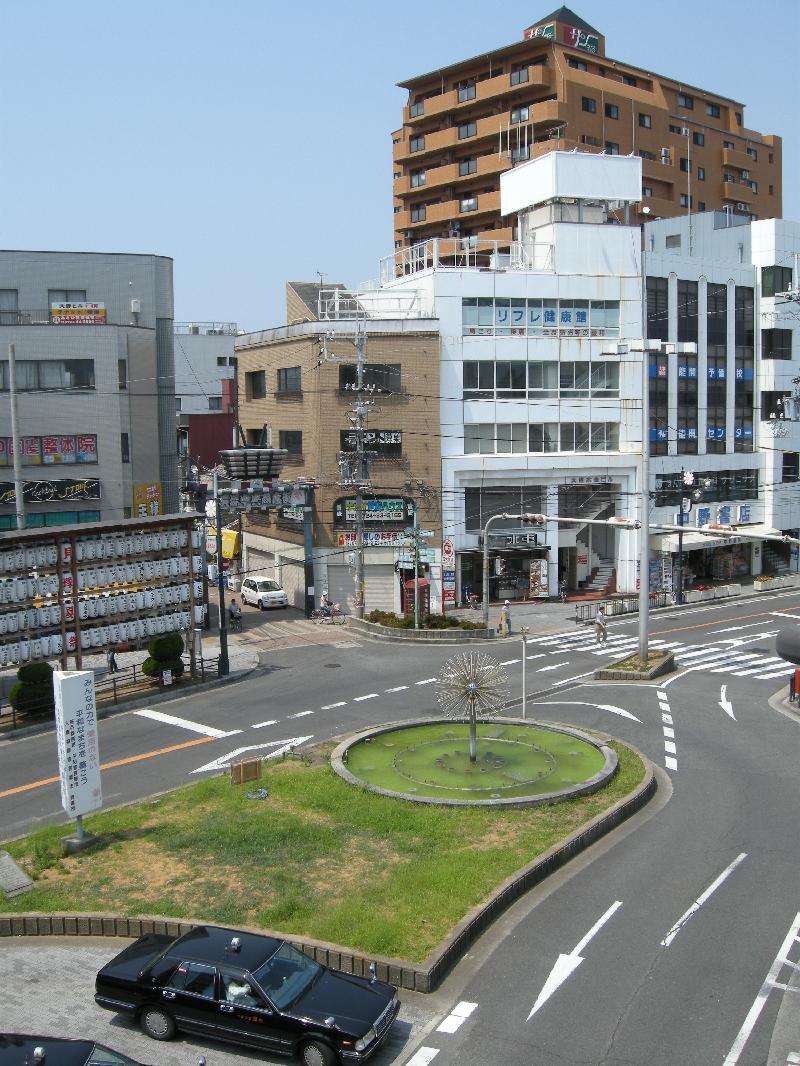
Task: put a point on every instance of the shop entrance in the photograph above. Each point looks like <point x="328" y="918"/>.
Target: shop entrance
<point x="509" y="574"/>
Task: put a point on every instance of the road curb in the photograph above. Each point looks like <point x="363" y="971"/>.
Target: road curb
<point x="423" y="977"/>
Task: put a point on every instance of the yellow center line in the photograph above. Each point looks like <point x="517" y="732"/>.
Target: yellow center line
<point x="110" y="765"/>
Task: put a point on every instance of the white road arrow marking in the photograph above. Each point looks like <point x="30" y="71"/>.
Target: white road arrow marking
<point x="599" y="706"/>
<point x="566" y="965"/>
<point x="184" y="723"/>
<point x="280" y="746"/>
<point x="725" y="703"/>
<point x="739" y="642"/>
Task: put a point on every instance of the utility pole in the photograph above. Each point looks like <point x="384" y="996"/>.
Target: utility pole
<point x="416" y="567"/>
<point x="360" y="411"/>
<point x="224" y="664"/>
<point x="19" y="487"/>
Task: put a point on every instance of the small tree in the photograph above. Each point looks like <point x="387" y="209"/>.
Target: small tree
<point x="164" y="653"/>
<point x="33" y="691"/>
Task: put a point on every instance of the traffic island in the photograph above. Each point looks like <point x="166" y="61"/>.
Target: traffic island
<point x="633" y="668"/>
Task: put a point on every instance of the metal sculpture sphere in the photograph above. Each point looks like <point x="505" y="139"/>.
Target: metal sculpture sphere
<point x="472" y="685"/>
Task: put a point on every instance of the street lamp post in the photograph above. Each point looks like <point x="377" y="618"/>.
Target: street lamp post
<point x="525" y="630"/>
<point x="224" y="662"/>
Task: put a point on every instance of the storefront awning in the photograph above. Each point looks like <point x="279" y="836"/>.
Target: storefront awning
<point x="692" y="540"/>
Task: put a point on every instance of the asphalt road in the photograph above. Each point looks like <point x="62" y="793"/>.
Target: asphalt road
<point x="660" y="944"/>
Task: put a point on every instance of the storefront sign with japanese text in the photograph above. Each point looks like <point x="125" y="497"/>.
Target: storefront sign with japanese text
<point x="62" y="491"/>
<point x="78" y="314"/>
<point x="78" y="752"/>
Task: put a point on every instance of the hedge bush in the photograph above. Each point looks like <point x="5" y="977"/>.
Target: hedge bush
<point x="431" y="621"/>
<point x="164" y="653"/>
<point x="33" y="692"/>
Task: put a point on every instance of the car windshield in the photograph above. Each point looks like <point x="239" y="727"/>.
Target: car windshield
<point x="268" y="586"/>
<point x="287" y="975"/>
<point x="104" y="1056"/>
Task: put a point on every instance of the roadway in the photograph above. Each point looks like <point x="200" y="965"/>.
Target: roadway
<point x="652" y="948"/>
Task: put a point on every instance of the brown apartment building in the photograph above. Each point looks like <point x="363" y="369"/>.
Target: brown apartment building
<point x="304" y="397"/>
<point x="466" y="123"/>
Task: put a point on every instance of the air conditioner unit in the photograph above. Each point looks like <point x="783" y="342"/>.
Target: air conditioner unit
<point x="745" y="175"/>
<point x="742" y="207"/>
<point x="665" y="157"/>
<point x="408" y="234"/>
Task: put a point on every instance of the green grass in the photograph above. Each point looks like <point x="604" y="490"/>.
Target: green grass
<point x="513" y="761"/>
<point x="318" y="858"/>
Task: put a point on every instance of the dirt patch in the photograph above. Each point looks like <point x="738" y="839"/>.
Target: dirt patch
<point x="336" y="876"/>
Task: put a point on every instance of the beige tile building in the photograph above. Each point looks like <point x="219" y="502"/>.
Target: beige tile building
<point x="555" y="88"/>
<point x="297" y="392"/>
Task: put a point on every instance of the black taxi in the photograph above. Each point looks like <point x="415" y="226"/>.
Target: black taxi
<point x="248" y="989"/>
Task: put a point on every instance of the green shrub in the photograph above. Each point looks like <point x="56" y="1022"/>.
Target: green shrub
<point x="155" y="667"/>
<point x="166" y="647"/>
<point x="33" y="692"/>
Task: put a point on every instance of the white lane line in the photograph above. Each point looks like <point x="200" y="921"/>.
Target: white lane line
<point x="769" y="982"/>
<point x="184" y="723"/>
<point x="456" y="1018"/>
<point x="566" y="680"/>
<point x="427" y="681"/>
<point x="262" y="725"/>
<point x="331" y="706"/>
<point x="701" y="899"/>
<point x="666" y="719"/>
<point x="369" y="696"/>
<point x="670" y="763"/>
<point x="423" y="1056"/>
<point x="599" y="706"/>
<point x="670" y="747"/>
<point x="539" y="656"/>
<point x="669" y="732"/>
<point x="734" y="629"/>
<point x="397" y="688"/>
<point x="783" y="614"/>
<point x="510" y="662"/>
<point x="555" y="666"/>
<point x="300" y="714"/>
<point x="566" y="965"/>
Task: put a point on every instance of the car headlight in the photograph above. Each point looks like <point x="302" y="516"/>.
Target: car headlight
<point x="366" y="1040"/>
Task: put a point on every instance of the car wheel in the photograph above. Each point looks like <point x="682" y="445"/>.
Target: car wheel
<point x="157" y="1024"/>
<point x="261" y="605"/>
<point x="316" y="1054"/>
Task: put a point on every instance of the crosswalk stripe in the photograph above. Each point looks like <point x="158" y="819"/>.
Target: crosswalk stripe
<point x="765" y="664"/>
<point x="684" y="658"/>
<point x="714" y="660"/>
<point x="775" y="673"/>
<point x="751" y="659"/>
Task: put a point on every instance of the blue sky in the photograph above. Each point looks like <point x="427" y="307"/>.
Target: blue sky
<point x="250" y="141"/>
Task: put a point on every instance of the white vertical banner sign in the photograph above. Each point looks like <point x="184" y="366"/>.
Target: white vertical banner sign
<point x="78" y="751"/>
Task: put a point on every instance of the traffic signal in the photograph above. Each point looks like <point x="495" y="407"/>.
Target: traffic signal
<point x="198" y="490"/>
<point x="534" y="520"/>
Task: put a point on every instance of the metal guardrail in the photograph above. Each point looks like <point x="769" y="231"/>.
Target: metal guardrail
<point x="585" y="612"/>
<point x="110" y="688"/>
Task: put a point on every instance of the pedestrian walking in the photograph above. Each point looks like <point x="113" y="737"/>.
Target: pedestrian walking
<point x="600" y="625"/>
<point x="112" y="659"/>
<point x="505" y="619"/>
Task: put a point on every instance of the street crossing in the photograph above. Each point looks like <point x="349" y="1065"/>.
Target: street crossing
<point x="734" y="656"/>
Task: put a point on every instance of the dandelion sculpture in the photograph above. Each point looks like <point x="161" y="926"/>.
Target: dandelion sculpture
<point x="472" y="686"/>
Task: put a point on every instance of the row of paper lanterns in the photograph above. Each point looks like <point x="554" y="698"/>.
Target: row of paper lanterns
<point x="112" y="547"/>
<point x="19" y="589"/>
<point x="98" y="607"/>
<point x="97" y="637"/>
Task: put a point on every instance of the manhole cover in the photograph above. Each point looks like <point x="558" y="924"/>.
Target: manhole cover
<point x="332" y="666"/>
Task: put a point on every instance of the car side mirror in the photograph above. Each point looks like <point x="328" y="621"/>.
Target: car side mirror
<point x="330" y="1022"/>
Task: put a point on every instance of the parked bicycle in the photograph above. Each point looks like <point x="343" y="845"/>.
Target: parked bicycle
<point x="332" y="615"/>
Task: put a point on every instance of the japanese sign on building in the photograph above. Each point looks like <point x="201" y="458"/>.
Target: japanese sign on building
<point x="56" y="449"/>
<point x="147" y="499"/>
<point x="78" y="752"/>
<point x="78" y="314"/>
<point x="62" y="491"/>
<point x="372" y="540"/>
<point x="570" y="35"/>
<point x="385" y="510"/>
<point x="383" y="442"/>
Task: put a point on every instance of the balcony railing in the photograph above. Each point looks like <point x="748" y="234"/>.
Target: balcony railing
<point x="206" y="329"/>
<point x="465" y="253"/>
<point x="372" y="303"/>
<point x="43" y="318"/>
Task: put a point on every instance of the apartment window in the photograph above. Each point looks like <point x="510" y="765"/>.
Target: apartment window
<point x="8" y="307"/>
<point x="417" y="178"/>
<point x="479" y="438"/>
<point x="753" y="186"/>
<point x="612" y="148"/>
<point x="699" y="139"/>
<point x="687" y="311"/>
<point x="713" y="110"/>
<point x="50" y="374"/>
<point x="685" y="100"/>
<point x="772" y="405"/>
<point x="771" y="192"/>
<point x="645" y="121"/>
<point x="542" y="379"/>
<point x="716" y="375"/>
<point x="659" y="400"/>
<point x="292" y="441"/>
<point x="729" y="178"/>
<point x="685" y="165"/>
<point x="701" y="206"/>
<point x="519" y="75"/>
<point x="646" y="192"/>
<point x="744" y="316"/>
<point x="738" y="115"/>
<point x="543" y="437"/>
<point x="701" y="173"/>
<point x="791" y="466"/>
<point x="604" y="437"/>
<point x="519" y="114"/>
<point x="418" y="213"/>
<point x="743" y="399"/>
<point x="686" y="200"/>
<point x="65" y="296"/>
<point x="466" y="91"/>
<point x="657" y="295"/>
<point x="588" y="103"/>
<point x="575" y="436"/>
<point x="467" y="166"/>
<point x="605" y="379"/>
<point x="289" y="379"/>
<point x="729" y="145"/>
<point x="416" y="109"/>
<point x="675" y="129"/>
<point x="644" y="154"/>
<point x="628" y="79"/>
<point x="125" y="447"/>
<point x="518" y="154"/>
<point x="256" y="384"/>
<point x="573" y="379"/>
<point x="512" y="437"/>
<point x="478" y="379"/>
<point x="215" y="403"/>
<point x="577" y="64"/>
<point x="612" y="111"/>
<point x="776" y="344"/>
<point x="775" y="279"/>
<point x="672" y="240"/>
<point x="752" y="152"/>
<point x="687" y="404"/>
<point x="178" y="403"/>
<point x="716" y="315"/>
<point x="378" y="377"/>
<point x="468" y="203"/>
<point x="122" y="374"/>
<point x="222" y="360"/>
<point x="416" y="144"/>
<point x="467" y="129"/>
